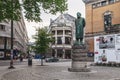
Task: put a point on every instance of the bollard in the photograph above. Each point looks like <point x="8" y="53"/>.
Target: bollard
<point x="29" y="61"/>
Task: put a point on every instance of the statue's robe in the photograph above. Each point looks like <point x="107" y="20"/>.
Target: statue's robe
<point x="80" y="24"/>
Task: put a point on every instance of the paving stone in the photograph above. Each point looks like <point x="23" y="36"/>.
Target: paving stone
<point x="59" y="71"/>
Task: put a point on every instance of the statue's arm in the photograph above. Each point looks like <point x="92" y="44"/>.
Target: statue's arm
<point x="84" y="23"/>
<point x="75" y="23"/>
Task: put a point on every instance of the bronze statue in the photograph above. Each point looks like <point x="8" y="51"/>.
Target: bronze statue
<point x="79" y="24"/>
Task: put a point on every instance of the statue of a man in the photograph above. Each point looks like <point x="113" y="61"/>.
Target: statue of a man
<point x="79" y="24"/>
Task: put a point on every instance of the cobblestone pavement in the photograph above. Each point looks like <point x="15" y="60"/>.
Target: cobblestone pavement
<point x="59" y="71"/>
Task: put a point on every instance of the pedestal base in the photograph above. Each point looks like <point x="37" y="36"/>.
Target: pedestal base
<point x="78" y="66"/>
<point x="79" y="70"/>
<point x="79" y="59"/>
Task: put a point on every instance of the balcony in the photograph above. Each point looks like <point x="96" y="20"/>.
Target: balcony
<point x="62" y="46"/>
<point x="113" y="29"/>
<point x="108" y="30"/>
<point x="61" y="28"/>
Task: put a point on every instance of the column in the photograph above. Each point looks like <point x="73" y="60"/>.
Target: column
<point x="63" y="54"/>
<point x="63" y="43"/>
<point x="55" y="43"/>
<point x="55" y="52"/>
<point x="55" y="37"/>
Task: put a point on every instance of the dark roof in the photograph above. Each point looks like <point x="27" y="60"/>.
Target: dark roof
<point x="89" y="1"/>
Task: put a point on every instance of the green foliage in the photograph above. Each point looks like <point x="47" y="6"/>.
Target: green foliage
<point x="11" y="9"/>
<point x="42" y="40"/>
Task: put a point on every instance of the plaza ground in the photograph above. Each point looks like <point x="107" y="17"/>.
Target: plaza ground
<point x="57" y="71"/>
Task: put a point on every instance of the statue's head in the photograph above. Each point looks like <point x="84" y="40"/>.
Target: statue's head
<point x="78" y="14"/>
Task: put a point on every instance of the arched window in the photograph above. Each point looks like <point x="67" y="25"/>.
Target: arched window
<point x="107" y="19"/>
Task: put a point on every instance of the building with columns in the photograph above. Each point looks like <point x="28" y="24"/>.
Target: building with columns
<point x="63" y="30"/>
<point x="102" y="17"/>
<point x="19" y="34"/>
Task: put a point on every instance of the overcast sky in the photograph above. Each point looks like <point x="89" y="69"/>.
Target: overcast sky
<point x="74" y="6"/>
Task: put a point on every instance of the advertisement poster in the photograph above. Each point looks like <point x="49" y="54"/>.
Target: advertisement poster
<point x="107" y="48"/>
<point x="117" y="47"/>
<point x="1" y="54"/>
<point x="118" y="43"/>
<point x="107" y="42"/>
<point x="118" y="38"/>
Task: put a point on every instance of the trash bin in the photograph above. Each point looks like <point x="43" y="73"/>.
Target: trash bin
<point x="21" y="59"/>
<point x="29" y="61"/>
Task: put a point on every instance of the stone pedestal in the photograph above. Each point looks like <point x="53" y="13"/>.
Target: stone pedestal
<point x="79" y="59"/>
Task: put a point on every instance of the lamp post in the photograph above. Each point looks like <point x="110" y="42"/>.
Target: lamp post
<point x="11" y="55"/>
<point x="11" y="61"/>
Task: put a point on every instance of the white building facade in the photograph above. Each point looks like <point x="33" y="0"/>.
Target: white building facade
<point x="63" y="31"/>
<point x="19" y="34"/>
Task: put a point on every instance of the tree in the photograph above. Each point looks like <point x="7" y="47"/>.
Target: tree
<point x="42" y="40"/>
<point x="11" y="9"/>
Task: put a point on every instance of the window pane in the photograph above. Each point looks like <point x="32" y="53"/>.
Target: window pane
<point x="98" y="4"/>
<point x="2" y="27"/>
<point x="59" y="40"/>
<point x="93" y="5"/>
<point x="103" y="3"/>
<point x="111" y="1"/>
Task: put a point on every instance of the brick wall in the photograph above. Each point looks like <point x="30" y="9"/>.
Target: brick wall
<point x="95" y="20"/>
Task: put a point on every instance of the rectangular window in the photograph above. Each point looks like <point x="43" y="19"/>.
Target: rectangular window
<point x="67" y="32"/>
<point x="59" y="40"/>
<point x="59" y="32"/>
<point x="67" y="40"/>
<point x="98" y="4"/>
<point x="93" y="5"/>
<point x="111" y="1"/>
<point x="2" y="27"/>
<point x="53" y="32"/>
<point x="59" y="53"/>
<point x="103" y="3"/>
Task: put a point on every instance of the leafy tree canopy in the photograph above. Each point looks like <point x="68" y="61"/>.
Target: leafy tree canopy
<point x="42" y="40"/>
<point x="11" y="9"/>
